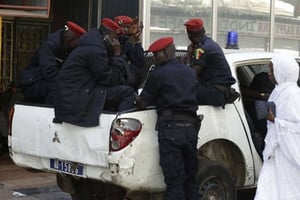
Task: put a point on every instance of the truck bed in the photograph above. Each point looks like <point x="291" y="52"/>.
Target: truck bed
<point x="36" y="137"/>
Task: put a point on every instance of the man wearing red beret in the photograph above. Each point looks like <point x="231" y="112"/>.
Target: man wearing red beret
<point x="213" y="72"/>
<point x="93" y="78"/>
<point x="123" y="20"/>
<point x="38" y="78"/>
<point x="132" y="49"/>
<point x="171" y="87"/>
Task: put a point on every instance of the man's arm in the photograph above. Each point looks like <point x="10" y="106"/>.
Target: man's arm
<point x="198" y="69"/>
<point x="150" y="91"/>
<point x="48" y="60"/>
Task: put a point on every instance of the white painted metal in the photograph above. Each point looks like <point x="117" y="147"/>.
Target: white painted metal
<point x="35" y="139"/>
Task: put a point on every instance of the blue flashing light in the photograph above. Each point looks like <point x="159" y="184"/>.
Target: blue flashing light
<point x="232" y="40"/>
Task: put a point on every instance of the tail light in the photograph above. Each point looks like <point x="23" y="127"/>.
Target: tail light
<point x="123" y="132"/>
<point x="10" y="98"/>
<point x="10" y="118"/>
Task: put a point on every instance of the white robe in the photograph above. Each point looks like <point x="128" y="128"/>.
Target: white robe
<point x="279" y="178"/>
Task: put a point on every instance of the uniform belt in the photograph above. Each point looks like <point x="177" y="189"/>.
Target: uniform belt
<point x="222" y="88"/>
<point x="178" y="117"/>
<point x="183" y="124"/>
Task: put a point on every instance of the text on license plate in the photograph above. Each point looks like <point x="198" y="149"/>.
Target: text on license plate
<point x="65" y="166"/>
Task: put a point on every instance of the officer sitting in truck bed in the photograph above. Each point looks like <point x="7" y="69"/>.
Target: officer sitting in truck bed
<point x="213" y="72"/>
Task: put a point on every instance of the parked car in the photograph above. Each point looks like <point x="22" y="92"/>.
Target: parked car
<point x="123" y="150"/>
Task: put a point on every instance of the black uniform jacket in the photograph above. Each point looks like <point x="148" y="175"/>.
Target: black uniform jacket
<point x="83" y="79"/>
<point x="171" y="87"/>
<point x="134" y="53"/>
<point x="46" y="62"/>
<point x="210" y="56"/>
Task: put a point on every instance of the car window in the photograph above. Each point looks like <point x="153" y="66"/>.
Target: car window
<point x="246" y="73"/>
<point x="298" y="61"/>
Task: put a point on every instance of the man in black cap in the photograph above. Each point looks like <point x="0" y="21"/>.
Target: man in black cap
<point x="38" y="78"/>
<point x="171" y="87"/>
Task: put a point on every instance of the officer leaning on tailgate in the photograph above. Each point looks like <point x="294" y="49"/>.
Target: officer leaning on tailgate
<point x="171" y="87"/>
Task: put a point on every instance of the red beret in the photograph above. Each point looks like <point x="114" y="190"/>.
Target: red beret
<point x="194" y="24"/>
<point x="113" y="26"/>
<point x="160" y="44"/>
<point x="76" y="29"/>
<point x="123" y="20"/>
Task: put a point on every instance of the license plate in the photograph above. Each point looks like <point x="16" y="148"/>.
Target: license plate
<point x="67" y="167"/>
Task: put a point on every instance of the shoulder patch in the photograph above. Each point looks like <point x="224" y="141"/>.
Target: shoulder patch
<point x="198" y="53"/>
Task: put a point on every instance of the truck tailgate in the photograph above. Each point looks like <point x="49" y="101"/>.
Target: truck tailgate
<point x="34" y="134"/>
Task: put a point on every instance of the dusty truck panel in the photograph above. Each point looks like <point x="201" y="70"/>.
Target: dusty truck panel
<point x="36" y="137"/>
<point x="123" y="149"/>
<point x="223" y="137"/>
<point x="139" y="175"/>
<point x="138" y="165"/>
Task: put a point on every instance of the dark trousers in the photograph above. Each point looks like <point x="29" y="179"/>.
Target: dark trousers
<point x="119" y="98"/>
<point x="209" y="95"/>
<point x="178" y="159"/>
<point x="37" y="92"/>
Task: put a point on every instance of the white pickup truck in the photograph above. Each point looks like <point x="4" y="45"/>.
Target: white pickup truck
<point x="123" y="150"/>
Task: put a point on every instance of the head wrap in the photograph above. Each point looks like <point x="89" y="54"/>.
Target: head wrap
<point x="76" y="29"/>
<point x="194" y="24"/>
<point x="161" y="44"/>
<point x="123" y="20"/>
<point x="286" y="68"/>
<point x="284" y="132"/>
<point x="112" y="26"/>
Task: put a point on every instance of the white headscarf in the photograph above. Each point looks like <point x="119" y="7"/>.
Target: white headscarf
<point x="282" y="153"/>
<point x="285" y="131"/>
<point x="286" y="69"/>
<point x="285" y="94"/>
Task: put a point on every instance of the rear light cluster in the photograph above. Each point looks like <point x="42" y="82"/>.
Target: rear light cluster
<point x="10" y="118"/>
<point x="123" y="132"/>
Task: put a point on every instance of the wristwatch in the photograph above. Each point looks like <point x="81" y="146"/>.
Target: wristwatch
<point x="262" y="94"/>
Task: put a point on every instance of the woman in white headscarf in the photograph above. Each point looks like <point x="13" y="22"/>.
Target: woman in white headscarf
<point x="280" y="174"/>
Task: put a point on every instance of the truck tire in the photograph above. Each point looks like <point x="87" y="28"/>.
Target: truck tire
<point x="215" y="181"/>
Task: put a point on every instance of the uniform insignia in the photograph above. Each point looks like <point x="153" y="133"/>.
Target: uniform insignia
<point x="198" y="52"/>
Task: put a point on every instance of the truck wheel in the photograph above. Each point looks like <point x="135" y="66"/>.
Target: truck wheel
<point x="89" y="189"/>
<point x="215" y="181"/>
<point x="82" y="190"/>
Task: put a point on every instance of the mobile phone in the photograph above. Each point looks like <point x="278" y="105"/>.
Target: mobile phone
<point x="262" y="108"/>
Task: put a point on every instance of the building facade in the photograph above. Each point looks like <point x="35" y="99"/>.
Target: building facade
<point x="26" y="23"/>
<point x="261" y="25"/>
<point x="267" y="25"/>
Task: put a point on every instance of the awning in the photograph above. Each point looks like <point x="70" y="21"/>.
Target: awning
<point x="37" y="9"/>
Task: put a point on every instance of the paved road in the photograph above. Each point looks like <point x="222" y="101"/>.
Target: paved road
<point x="39" y="193"/>
<point x="54" y="193"/>
<point x="16" y="183"/>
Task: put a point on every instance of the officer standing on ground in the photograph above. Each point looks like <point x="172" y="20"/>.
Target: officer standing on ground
<point x="38" y="78"/>
<point x="209" y="62"/>
<point x="171" y="87"/>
